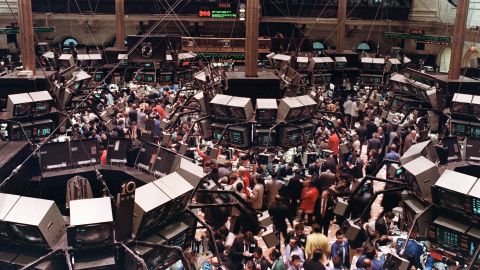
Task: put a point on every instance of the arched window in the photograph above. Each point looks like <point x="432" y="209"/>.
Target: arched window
<point x="318" y="46"/>
<point x="70" y="41"/>
<point x="363" y="47"/>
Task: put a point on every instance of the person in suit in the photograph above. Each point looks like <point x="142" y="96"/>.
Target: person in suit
<point x="279" y="211"/>
<point x="382" y="225"/>
<point x="242" y="250"/>
<point x="323" y="211"/>
<point x="340" y="251"/>
<point x="259" y="261"/>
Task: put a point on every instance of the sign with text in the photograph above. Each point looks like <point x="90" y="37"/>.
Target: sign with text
<point x="218" y="14"/>
<point x="43" y="29"/>
<point x="430" y="39"/>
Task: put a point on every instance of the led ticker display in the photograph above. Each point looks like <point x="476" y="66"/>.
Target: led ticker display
<point x="42" y="29"/>
<point x="217" y="13"/>
<point x="419" y="38"/>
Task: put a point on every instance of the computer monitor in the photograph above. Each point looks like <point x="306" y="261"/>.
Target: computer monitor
<point x="55" y="156"/>
<point x="239" y="136"/>
<point x="154" y="257"/>
<point x="411" y="208"/>
<point x="395" y="262"/>
<point x="147" y="155"/>
<point x="309" y="104"/>
<point x="98" y="76"/>
<point x="35" y="223"/>
<point x="289" y="136"/>
<point x="41" y="101"/>
<point x="166" y="77"/>
<point x="449" y="233"/>
<point x="89" y="236"/>
<point x="289" y="109"/>
<point x="262" y="137"/>
<point x="165" y="162"/>
<point x="420" y="175"/>
<point x="91" y="223"/>
<point x="460" y="128"/>
<point x="177" y="189"/>
<point x="219" y="106"/>
<point x="217" y="130"/>
<point x="472" y="149"/>
<point x="473" y="241"/>
<point x="117" y="150"/>
<point x="85" y="152"/>
<point x="266" y="110"/>
<point x="175" y="234"/>
<point x="150" y="209"/>
<point x="425" y="149"/>
<point x="43" y="128"/>
<point x="19" y="105"/>
<point x="461" y="103"/>
<point x="16" y="132"/>
<point x="449" y="194"/>
<point x="241" y="108"/>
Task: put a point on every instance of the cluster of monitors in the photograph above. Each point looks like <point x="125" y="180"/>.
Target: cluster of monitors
<point x="25" y="104"/>
<point x="244" y="136"/>
<point x="463" y="199"/>
<point x="371" y="79"/>
<point x="151" y="77"/>
<point x="34" y="130"/>
<point x="155" y="159"/>
<point x="266" y="110"/>
<point x="180" y="233"/>
<point x="465" y="104"/>
<point x="69" y="154"/>
<point x="465" y="128"/>
<point x="455" y="236"/>
<point x="369" y="63"/>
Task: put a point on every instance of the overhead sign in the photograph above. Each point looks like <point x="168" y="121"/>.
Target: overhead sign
<point x="431" y="39"/>
<point x="42" y="29"/>
<point x="217" y="13"/>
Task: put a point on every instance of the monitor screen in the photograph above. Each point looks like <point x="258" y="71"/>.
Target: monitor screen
<point x="294" y="113"/>
<point x="238" y="113"/>
<point x="152" y="219"/>
<point x="475" y="131"/>
<point x="266" y="115"/>
<point x="460" y="107"/>
<point x="77" y="85"/>
<point x="164" y="163"/>
<point x="447" y="238"/>
<point x="412" y="182"/>
<point x="220" y="110"/>
<point x="149" y="78"/>
<point x="146" y="156"/>
<point x="472" y="245"/>
<point x="450" y="199"/>
<point x="22" y="109"/>
<point x="55" y="156"/>
<point x="27" y="234"/>
<point x="217" y="132"/>
<point x="263" y="140"/>
<point x="177" y="265"/>
<point x="85" y="152"/>
<point x="42" y="106"/>
<point x="459" y="129"/>
<point x="476" y="206"/>
<point x="98" y="76"/>
<point x="117" y="150"/>
<point x="237" y="137"/>
<point x="166" y="77"/>
<point x="96" y="235"/>
<point x="155" y="258"/>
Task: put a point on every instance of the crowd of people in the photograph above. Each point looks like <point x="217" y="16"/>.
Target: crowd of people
<point x="300" y="195"/>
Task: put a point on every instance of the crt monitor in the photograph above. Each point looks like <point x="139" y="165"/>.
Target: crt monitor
<point x="85" y="152"/>
<point x="43" y="128"/>
<point x="166" y="77"/>
<point x="449" y="194"/>
<point x="289" y="136"/>
<point x="475" y="131"/>
<point x="261" y="137"/>
<point x="117" y="150"/>
<point x="55" y="156"/>
<point x="217" y="130"/>
<point x="450" y="233"/>
<point x="27" y="234"/>
<point x="98" y="76"/>
<point x="239" y="136"/>
<point x="165" y="162"/>
<point x="146" y="156"/>
<point x="460" y="128"/>
<point x="89" y="236"/>
<point x="266" y="115"/>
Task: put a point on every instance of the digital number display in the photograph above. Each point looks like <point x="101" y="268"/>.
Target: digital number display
<point x="447" y="238"/>
<point x="418" y="38"/>
<point x="236" y="137"/>
<point x="219" y="14"/>
<point x="476" y="206"/>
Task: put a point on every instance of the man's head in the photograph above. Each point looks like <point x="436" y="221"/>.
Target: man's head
<point x="340" y="236"/>
<point x="317" y="255"/>
<point x="257" y="253"/>
<point x="293" y="242"/>
<point x="299" y="228"/>
<point x="295" y="260"/>
<point x="389" y="216"/>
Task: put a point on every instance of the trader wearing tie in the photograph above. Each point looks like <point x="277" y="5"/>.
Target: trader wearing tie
<point x="340" y="252"/>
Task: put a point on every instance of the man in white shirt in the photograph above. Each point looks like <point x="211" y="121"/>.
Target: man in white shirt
<point x="354" y="113"/>
<point x="347" y="109"/>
